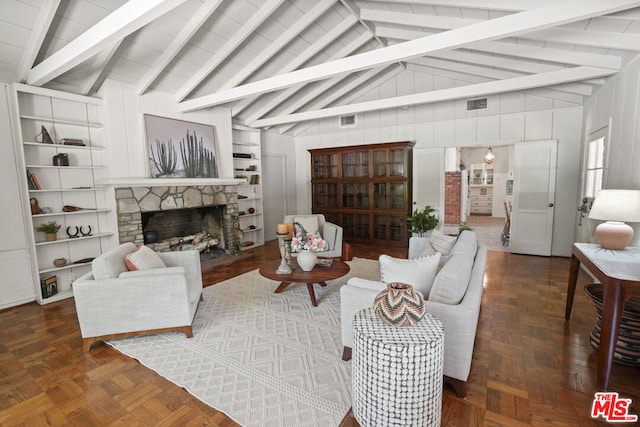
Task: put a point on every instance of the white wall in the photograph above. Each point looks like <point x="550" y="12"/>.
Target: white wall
<point x="127" y="155"/>
<point x="619" y="99"/>
<point x="509" y="119"/>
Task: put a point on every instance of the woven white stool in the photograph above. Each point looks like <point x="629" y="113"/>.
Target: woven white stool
<point x="397" y="371"/>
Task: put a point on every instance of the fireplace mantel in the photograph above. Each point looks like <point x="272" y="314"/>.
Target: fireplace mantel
<point x="156" y="182"/>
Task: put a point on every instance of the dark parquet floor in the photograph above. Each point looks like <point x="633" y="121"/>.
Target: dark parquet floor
<point x="530" y="367"/>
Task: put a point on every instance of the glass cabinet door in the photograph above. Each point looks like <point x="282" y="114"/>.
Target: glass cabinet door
<point x="355" y="195"/>
<point x="396" y="195"/>
<point x="396" y="162"/>
<point x="388" y="163"/>
<point x="355" y="164"/>
<point x="388" y="227"/>
<point x="362" y="227"/>
<point x="325" y="166"/>
<point x="325" y="195"/>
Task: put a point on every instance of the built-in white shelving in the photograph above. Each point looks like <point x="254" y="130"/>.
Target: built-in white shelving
<point x="86" y="232"/>
<point x="247" y="166"/>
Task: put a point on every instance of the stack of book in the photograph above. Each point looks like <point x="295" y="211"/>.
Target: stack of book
<point x="33" y="181"/>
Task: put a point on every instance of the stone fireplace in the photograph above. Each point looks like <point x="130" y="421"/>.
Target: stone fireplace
<point x="220" y="201"/>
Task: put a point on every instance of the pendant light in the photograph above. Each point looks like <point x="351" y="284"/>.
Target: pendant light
<point x="488" y="156"/>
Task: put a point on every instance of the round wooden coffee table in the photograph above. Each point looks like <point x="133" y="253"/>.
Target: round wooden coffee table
<point x="319" y="274"/>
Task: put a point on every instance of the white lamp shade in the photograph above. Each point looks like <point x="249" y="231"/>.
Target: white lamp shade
<point x="615" y="207"/>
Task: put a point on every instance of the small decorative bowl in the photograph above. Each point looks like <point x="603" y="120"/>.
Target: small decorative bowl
<point x="59" y="262"/>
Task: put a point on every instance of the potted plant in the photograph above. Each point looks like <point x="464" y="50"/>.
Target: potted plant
<point x="422" y="221"/>
<point x="50" y="229"/>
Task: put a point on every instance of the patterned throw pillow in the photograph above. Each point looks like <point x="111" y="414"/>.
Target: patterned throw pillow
<point x="441" y="242"/>
<point x="310" y="223"/>
<point x="144" y="258"/>
<point x="419" y="272"/>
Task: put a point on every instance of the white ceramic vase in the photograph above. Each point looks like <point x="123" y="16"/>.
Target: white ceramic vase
<point x="307" y="260"/>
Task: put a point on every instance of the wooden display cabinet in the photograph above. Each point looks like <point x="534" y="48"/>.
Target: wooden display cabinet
<point x="366" y="189"/>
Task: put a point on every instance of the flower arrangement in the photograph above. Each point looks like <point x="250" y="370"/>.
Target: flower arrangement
<point x="304" y="240"/>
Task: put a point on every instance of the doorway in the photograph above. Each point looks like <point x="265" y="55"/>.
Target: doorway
<point x="489" y="192"/>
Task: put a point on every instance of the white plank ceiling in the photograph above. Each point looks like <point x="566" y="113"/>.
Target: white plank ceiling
<point x="280" y="63"/>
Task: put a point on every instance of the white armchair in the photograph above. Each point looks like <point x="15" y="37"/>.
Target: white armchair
<point x="112" y="302"/>
<point x="330" y="232"/>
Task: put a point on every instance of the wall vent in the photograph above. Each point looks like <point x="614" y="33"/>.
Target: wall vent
<point x="347" y="121"/>
<point x="477" y="104"/>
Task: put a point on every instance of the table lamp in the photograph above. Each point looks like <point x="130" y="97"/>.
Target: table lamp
<point x="615" y="207"/>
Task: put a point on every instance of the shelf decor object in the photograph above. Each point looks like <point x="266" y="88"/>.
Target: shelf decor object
<point x="616" y="207"/>
<point x="180" y="149"/>
<point x="283" y="268"/>
<point x="399" y="305"/>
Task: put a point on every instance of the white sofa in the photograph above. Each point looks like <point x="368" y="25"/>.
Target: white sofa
<point x="460" y="320"/>
<point x="331" y="233"/>
<point x="112" y="302"/>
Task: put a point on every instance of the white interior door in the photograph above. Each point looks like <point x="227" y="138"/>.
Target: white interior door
<point x="428" y="180"/>
<point x="274" y="193"/>
<point x="533" y="197"/>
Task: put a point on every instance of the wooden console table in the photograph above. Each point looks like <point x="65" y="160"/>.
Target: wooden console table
<point x="619" y="273"/>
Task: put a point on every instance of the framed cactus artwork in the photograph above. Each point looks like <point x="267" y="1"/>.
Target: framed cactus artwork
<point x="180" y="149"/>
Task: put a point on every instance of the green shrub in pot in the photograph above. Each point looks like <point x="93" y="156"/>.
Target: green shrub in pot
<point x="422" y="221"/>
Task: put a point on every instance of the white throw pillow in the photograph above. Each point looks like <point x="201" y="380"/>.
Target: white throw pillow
<point x="452" y="280"/>
<point x="144" y="258"/>
<point x="426" y="251"/>
<point x="310" y="223"/>
<point x="441" y="242"/>
<point x="418" y="272"/>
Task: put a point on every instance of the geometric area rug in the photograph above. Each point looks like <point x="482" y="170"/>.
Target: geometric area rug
<point x="264" y="359"/>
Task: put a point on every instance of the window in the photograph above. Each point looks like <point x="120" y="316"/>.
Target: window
<point x="595" y="167"/>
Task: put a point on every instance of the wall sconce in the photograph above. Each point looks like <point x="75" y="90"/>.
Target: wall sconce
<point x="488" y="156"/>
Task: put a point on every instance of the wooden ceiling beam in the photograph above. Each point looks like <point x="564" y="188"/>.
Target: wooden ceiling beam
<point x="518" y="50"/>
<point x="473" y="79"/>
<point x="354" y="9"/>
<point x="228" y="48"/>
<point x="332" y="35"/>
<point x="183" y="37"/>
<point x="327" y="97"/>
<point x="626" y="41"/>
<point x="503" y="5"/>
<point x="511" y="25"/>
<point x="489" y="88"/>
<point x="123" y="21"/>
<point x="285" y="38"/>
<point x="38" y="33"/>
<point x="495" y="74"/>
<point x="100" y="62"/>
<point x="282" y="96"/>
<point x="388" y="73"/>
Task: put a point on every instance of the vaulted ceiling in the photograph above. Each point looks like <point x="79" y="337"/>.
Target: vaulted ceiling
<point x="277" y="63"/>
